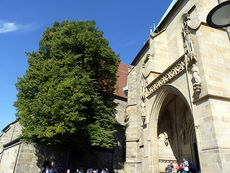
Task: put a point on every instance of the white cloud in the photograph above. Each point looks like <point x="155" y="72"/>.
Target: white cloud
<point x="6" y="27"/>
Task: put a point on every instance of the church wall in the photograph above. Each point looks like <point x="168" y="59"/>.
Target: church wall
<point x="158" y="59"/>
<point x="214" y="49"/>
<point x="213" y="131"/>
<point x="120" y="111"/>
<point x="134" y="121"/>
<point x="221" y="122"/>
<point x="220" y="112"/>
<point x="26" y="158"/>
<point x="173" y="26"/>
<point x="204" y="8"/>
<point x="118" y="157"/>
<point x="10" y="133"/>
<point x="8" y="159"/>
<point x="214" y="103"/>
<point x="210" y="108"/>
<point x="174" y="31"/>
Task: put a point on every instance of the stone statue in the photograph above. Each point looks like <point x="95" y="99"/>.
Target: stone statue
<point x="190" y="55"/>
<point x="188" y="47"/>
<point x="196" y="80"/>
<point x="166" y="141"/>
<point x="143" y="83"/>
<point x="142" y="93"/>
<point x="163" y="139"/>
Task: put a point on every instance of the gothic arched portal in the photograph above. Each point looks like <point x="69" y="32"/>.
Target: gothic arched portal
<point x="172" y="126"/>
<point x="176" y="133"/>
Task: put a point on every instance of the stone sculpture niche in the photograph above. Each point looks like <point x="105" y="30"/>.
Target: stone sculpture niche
<point x="191" y="56"/>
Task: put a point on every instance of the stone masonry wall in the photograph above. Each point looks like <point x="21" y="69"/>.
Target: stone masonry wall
<point x="210" y="109"/>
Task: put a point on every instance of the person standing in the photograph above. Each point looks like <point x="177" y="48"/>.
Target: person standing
<point x="169" y="168"/>
<point x="81" y="170"/>
<point x="43" y="170"/>
<point x="185" y="166"/>
<point x="47" y="170"/>
<point x="51" y="170"/>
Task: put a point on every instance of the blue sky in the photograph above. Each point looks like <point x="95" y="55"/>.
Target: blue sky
<point x="125" y="24"/>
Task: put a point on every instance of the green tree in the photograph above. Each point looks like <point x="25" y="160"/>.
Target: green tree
<point x="66" y="94"/>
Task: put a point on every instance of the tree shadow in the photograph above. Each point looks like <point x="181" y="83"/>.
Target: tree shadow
<point x="54" y="156"/>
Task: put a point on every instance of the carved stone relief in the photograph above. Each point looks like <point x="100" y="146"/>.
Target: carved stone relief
<point x="189" y="60"/>
<point x="194" y="21"/>
<point x="191" y="56"/>
<point x="126" y="119"/>
<point x="143" y="91"/>
<point x="143" y="83"/>
<point x="196" y="80"/>
<point x="166" y="76"/>
<point x="166" y="139"/>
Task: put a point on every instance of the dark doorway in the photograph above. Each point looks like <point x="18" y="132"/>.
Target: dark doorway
<point x="176" y="134"/>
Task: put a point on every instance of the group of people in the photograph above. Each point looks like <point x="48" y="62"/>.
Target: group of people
<point x="183" y="167"/>
<point x="49" y="169"/>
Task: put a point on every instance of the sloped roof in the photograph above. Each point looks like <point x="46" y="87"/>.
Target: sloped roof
<point x="9" y="125"/>
<point x="166" y="15"/>
<point x="167" y="12"/>
<point x="122" y="79"/>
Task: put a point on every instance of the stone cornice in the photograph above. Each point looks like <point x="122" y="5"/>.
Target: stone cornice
<point x="133" y="162"/>
<point x="154" y="72"/>
<point x="171" y="72"/>
<point x="132" y="140"/>
<point x="167" y="161"/>
<point x="154" y="34"/>
<point x="211" y="96"/>
<point x="131" y="105"/>
<point x="205" y="24"/>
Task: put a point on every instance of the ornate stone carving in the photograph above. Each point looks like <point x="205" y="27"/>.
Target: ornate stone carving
<point x="194" y="22"/>
<point x="164" y="137"/>
<point x="166" y="76"/>
<point x="143" y="91"/>
<point x="190" y="55"/>
<point x="196" y="80"/>
<point x="143" y="83"/>
<point x="142" y="106"/>
<point x="189" y="59"/>
<point x="126" y="119"/>
<point x="167" y="161"/>
<point x="188" y="47"/>
<point x="143" y="112"/>
<point x="186" y="35"/>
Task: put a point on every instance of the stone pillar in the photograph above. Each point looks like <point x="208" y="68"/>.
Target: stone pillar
<point x="133" y="114"/>
<point x="213" y="104"/>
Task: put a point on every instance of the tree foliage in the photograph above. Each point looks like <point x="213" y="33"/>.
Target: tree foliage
<point x="66" y="94"/>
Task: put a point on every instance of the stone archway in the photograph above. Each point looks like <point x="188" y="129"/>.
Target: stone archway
<point x="176" y="127"/>
<point x="172" y="126"/>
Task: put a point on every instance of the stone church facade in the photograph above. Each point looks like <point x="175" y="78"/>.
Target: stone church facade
<point x="178" y="103"/>
<point x="179" y="94"/>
